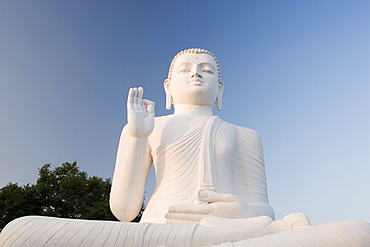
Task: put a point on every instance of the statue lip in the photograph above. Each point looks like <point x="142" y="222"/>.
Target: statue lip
<point x="197" y="81"/>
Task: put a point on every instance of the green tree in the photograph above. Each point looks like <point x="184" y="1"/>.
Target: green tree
<point x="17" y="201"/>
<point x="69" y="193"/>
<point x="63" y="192"/>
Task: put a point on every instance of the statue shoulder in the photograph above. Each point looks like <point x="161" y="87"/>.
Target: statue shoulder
<point x="246" y="137"/>
<point x="243" y="131"/>
<point x="248" y="131"/>
<point x="250" y="135"/>
<point x="160" y="123"/>
<point x="161" y="120"/>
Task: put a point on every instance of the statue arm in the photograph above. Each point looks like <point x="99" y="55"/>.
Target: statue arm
<point x="130" y="174"/>
<point x="249" y="175"/>
<point x="133" y="158"/>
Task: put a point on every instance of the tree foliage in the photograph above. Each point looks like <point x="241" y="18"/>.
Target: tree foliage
<point x="64" y="192"/>
<point x="17" y="201"/>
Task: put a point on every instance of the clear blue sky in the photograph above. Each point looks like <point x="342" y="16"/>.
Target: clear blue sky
<point x="298" y="72"/>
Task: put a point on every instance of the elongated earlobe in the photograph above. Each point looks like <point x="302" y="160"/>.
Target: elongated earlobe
<point x="168" y="94"/>
<point x="168" y="101"/>
<point x="219" y="95"/>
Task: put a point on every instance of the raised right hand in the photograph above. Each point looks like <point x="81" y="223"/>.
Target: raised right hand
<point x="140" y="113"/>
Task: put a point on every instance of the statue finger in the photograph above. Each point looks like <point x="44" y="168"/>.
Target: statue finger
<point x="150" y="110"/>
<point x="149" y="106"/>
<point x="190" y="209"/>
<point x="185" y="217"/>
<point x="148" y="102"/>
<point x="140" y="92"/>
<point x="130" y="99"/>
<point x="213" y="196"/>
<point x="135" y="98"/>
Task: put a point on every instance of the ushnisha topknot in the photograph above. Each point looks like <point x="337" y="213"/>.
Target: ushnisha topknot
<point x="194" y="51"/>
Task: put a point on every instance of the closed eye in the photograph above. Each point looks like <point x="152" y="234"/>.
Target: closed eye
<point x="184" y="71"/>
<point x="208" y="71"/>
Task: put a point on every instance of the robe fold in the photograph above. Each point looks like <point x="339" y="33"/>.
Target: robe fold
<point x="214" y="155"/>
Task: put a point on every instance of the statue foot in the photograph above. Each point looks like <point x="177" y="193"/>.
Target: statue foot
<point x="224" y="230"/>
<point x="290" y="222"/>
<point x="296" y="220"/>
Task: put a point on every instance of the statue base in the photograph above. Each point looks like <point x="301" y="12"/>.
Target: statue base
<point x="49" y="231"/>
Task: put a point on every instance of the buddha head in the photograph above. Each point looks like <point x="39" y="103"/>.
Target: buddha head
<point x="194" y="78"/>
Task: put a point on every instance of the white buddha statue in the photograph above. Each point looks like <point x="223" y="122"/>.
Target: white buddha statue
<point x="203" y="165"/>
<point x="210" y="180"/>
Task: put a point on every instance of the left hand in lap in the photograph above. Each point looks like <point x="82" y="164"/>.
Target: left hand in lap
<point x="214" y="204"/>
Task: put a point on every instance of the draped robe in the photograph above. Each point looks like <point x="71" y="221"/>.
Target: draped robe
<point x="213" y="155"/>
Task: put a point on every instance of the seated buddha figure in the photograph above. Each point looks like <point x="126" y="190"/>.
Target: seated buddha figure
<point x="203" y="165"/>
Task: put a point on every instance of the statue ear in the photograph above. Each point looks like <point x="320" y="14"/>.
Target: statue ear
<point x="166" y="85"/>
<point x="219" y="95"/>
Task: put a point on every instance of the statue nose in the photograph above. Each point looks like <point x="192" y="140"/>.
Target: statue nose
<point x="196" y="75"/>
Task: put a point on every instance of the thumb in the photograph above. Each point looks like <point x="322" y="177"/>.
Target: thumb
<point x="213" y="196"/>
<point x="150" y="110"/>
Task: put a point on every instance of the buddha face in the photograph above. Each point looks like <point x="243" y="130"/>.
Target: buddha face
<point x="194" y="80"/>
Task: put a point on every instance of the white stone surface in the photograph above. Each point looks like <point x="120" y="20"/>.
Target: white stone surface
<point x="210" y="180"/>
<point x="48" y="231"/>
